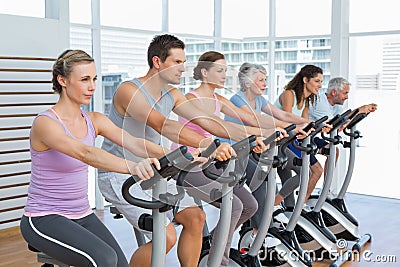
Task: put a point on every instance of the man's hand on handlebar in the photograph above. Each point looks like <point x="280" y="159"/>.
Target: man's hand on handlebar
<point x="260" y="146"/>
<point x="282" y="135"/>
<point x="224" y="152"/>
<point x="143" y="169"/>
<point x="368" y="108"/>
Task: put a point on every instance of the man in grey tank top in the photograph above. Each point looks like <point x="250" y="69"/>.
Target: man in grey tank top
<point x="141" y="106"/>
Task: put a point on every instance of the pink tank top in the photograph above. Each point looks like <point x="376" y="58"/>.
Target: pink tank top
<point x="196" y="127"/>
<point x="59" y="183"/>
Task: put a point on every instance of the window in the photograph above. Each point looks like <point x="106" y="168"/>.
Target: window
<point x="143" y="15"/>
<point x="81" y="38"/>
<point x="289" y="55"/>
<point x="374" y="67"/>
<point x="306" y="17"/>
<point x="80" y="11"/>
<point x="190" y="16"/>
<point x="229" y="46"/>
<point x="195" y="47"/>
<point x="124" y="51"/>
<point x="245" y="18"/>
<point x="248" y="57"/>
<point x="369" y="16"/>
<point x="262" y="45"/>
<point x="375" y="77"/>
<point x="304" y="55"/>
<point x="321" y="54"/>
<point x="289" y="44"/>
<point x="294" y="54"/>
<point x="248" y="46"/>
<point x="262" y="57"/>
<point x="321" y="42"/>
<point x="290" y="69"/>
<point x="382" y="67"/>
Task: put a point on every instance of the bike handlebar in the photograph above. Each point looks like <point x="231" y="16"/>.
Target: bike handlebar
<point x="169" y="167"/>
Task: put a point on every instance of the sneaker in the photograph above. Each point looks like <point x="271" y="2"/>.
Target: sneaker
<point x="247" y="240"/>
<point x="307" y="208"/>
<point x="271" y="241"/>
<point x="279" y="215"/>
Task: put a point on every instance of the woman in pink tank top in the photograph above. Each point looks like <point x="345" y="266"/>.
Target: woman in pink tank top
<point x="211" y="71"/>
<point x="194" y="126"/>
<point x="58" y="219"/>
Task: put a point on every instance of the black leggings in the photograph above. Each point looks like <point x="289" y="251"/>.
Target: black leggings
<point x="243" y="205"/>
<point x="80" y="242"/>
<point x="256" y="179"/>
<point x="289" y="181"/>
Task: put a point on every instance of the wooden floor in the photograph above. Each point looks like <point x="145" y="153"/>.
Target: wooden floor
<point x="378" y="216"/>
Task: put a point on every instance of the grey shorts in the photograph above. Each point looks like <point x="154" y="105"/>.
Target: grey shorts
<point x="110" y="185"/>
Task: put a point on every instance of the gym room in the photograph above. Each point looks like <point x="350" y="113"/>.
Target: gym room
<point x="356" y="199"/>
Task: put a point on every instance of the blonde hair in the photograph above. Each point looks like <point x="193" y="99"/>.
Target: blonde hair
<point x="65" y="63"/>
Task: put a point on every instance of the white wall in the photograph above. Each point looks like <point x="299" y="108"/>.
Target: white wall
<point x="26" y="37"/>
<point x="378" y="154"/>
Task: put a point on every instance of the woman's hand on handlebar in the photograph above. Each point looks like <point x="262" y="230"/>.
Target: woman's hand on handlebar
<point x="224" y="152"/>
<point x="301" y="134"/>
<point x="196" y="158"/>
<point x="143" y="168"/>
<point x="267" y="132"/>
<point x="260" y="146"/>
<point x="327" y="128"/>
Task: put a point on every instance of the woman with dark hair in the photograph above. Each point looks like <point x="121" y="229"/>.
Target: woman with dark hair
<point x="299" y="93"/>
<point x="301" y="90"/>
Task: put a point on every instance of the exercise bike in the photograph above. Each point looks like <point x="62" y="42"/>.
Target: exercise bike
<point x="289" y="251"/>
<point x="235" y="169"/>
<point x="256" y="253"/>
<point x="311" y="231"/>
<point x="178" y="162"/>
<point x="250" y="256"/>
<point x="334" y="210"/>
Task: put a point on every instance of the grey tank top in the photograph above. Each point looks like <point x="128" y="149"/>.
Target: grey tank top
<point x="135" y="127"/>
